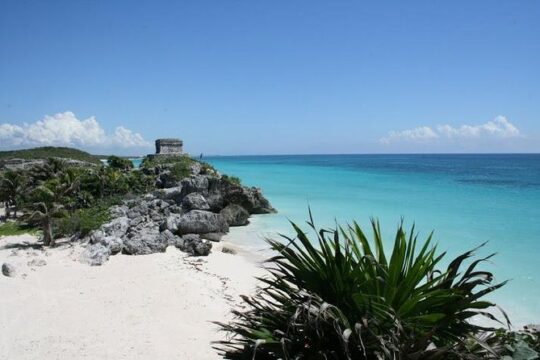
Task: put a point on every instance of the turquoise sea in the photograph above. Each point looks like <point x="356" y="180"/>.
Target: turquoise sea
<point x="465" y="199"/>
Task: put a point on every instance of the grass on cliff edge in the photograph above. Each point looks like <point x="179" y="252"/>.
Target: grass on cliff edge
<point x="47" y="152"/>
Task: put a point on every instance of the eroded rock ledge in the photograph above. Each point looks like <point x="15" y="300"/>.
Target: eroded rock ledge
<point x="189" y="214"/>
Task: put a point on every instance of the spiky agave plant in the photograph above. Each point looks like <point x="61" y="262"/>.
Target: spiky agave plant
<point x="341" y="297"/>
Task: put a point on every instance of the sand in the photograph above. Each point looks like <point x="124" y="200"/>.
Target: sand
<point x="157" y="306"/>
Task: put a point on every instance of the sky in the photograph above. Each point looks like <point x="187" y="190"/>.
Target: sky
<point x="271" y="77"/>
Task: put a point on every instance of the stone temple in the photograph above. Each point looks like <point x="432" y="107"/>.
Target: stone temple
<point x="169" y="147"/>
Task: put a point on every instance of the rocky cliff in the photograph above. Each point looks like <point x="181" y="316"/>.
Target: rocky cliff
<point x="189" y="214"/>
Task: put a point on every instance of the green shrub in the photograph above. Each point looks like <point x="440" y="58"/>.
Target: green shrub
<point x="231" y="180"/>
<point x="176" y="168"/>
<point x="207" y="169"/>
<point x="83" y="221"/>
<point x="139" y="182"/>
<point x="180" y="170"/>
<point x="119" y="163"/>
<point x="152" y="161"/>
<point x="346" y="298"/>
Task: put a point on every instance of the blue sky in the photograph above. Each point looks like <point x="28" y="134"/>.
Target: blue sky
<point x="271" y="77"/>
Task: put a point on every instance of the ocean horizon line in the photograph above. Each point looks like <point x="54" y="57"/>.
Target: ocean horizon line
<point x="372" y="154"/>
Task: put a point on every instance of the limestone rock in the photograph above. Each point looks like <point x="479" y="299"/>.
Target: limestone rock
<point x="235" y="215"/>
<point x="199" y="222"/>
<point x="195" y="201"/>
<point x="216" y="201"/>
<point x="9" y="270"/>
<point x="118" y="211"/>
<point x="117" y="227"/>
<point x="174" y="194"/>
<point x="136" y="221"/>
<point x="170" y="223"/>
<point x="95" y="236"/>
<point x="194" y="245"/>
<point x="140" y="209"/>
<point x="212" y="236"/>
<point x="158" y="204"/>
<point x="145" y="242"/>
<point x="95" y="254"/>
<point x="250" y="199"/>
<point x="114" y="243"/>
<point x="195" y="184"/>
<point x="195" y="168"/>
<point x="228" y="250"/>
<point x="171" y="239"/>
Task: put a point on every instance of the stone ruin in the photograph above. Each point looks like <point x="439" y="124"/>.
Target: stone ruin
<point x="169" y="147"/>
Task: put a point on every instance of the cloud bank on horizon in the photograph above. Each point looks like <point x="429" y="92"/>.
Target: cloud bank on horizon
<point x="497" y="129"/>
<point x="65" y="129"/>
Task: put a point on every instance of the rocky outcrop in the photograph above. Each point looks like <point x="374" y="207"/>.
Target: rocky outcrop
<point x="189" y="214"/>
<point x="218" y="192"/>
<point x="117" y="227"/>
<point x="235" y="215"/>
<point x="250" y="199"/>
<point x="95" y="254"/>
<point x="145" y="242"/>
<point x="197" y="222"/>
<point x="195" y="201"/>
<point x="194" y="245"/>
<point x="114" y="243"/>
<point x="195" y="184"/>
<point x="173" y="194"/>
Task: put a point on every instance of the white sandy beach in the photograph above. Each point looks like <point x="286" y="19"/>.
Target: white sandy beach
<point x="157" y="306"/>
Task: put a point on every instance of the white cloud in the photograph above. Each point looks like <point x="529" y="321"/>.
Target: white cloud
<point x="498" y="128"/>
<point x="128" y="138"/>
<point x="65" y="129"/>
<point x="419" y="134"/>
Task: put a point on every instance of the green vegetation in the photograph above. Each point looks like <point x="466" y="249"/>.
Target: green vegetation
<point x="172" y="169"/>
<point x="182" y="164"/>
<point x="341" y="296"/>
<point x="232" y="180"/>
<point x="83" y="221"/>
<point x="10" y="228"/>
<point x="153" y="161"/>
<point x="12" y="186"/>
<point x="119" y="163"/>
<point x="207" y="168"/>
<point x="48" y="152"/>
<point x="44" y="206"/>
<point x="63" y="200"/>
<point x="180" y="170"/>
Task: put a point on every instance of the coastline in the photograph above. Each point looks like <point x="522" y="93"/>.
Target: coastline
<point x="153" y="306"/>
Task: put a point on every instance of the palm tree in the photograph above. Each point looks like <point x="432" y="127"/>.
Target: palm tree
<point x="45" y="206"/>
<point x="51" y="168"/>
<point x="12" y="185"/>
<point x="100" y="181"/>
<point x="69" y="187"/>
